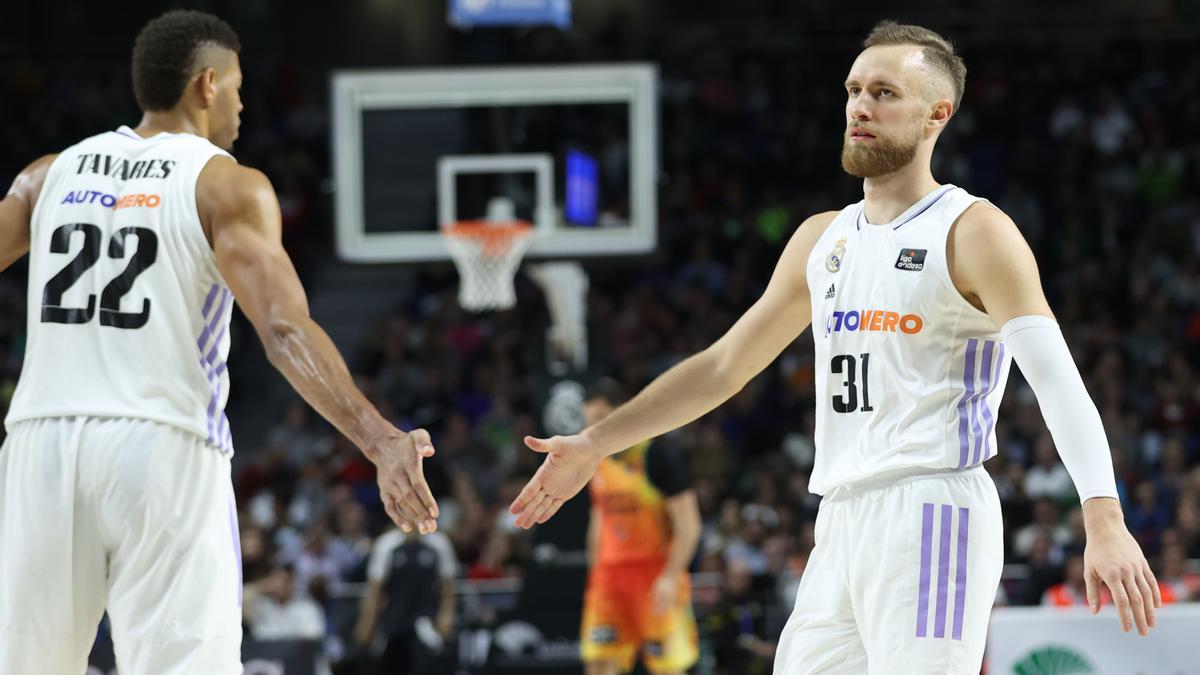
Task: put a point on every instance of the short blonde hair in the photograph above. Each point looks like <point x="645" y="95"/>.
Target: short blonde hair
<point x="939" y="52"/>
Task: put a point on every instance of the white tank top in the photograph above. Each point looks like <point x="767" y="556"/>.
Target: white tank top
<point x="128" y="314"/>
<point x="909" y="375"/>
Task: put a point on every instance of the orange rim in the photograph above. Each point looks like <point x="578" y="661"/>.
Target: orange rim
<point x="496" y="237"/>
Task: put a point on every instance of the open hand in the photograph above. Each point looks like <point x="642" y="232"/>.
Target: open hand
<point x="402" y="487"/>
<point x="571" y="462"/>
<point x="1112" y="557"/>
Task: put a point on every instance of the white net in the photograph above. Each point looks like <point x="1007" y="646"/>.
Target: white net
<point x="487" y="255"/>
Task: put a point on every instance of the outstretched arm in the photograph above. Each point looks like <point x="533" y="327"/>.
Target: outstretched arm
<point x="994" y="268"/>
<point x="16" y="210"/>
<point x="686" y="391"/>
<point x="239" y="208"/>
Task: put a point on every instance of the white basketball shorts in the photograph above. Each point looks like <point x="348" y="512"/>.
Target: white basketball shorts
<point x="902" y="578"/>
<point x="129" y="515"/>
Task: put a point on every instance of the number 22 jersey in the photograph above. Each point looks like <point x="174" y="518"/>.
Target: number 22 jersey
<point x="909" y="375"/>
<point x="128" y="315"/>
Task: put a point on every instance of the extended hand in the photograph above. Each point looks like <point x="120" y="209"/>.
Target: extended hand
<point x="1113" y="557"/>
<point x="571" y="462"/>
<point x="406" y="496"/>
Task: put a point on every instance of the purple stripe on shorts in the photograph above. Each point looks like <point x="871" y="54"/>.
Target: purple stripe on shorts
<point x="985" y="376"/>
<point x="960" y="581"/>
<point x="237" y="545"/>
<point x="987" y="413"/>
<point x="968" y="390"/>
<point x="939" y="619"/>
<point x="208" y="301"/>
<point x="926" y="555"/>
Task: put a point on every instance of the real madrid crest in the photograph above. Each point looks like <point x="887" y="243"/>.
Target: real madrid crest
<point x="834" y="262"/>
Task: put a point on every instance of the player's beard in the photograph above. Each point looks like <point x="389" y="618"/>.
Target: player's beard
<point x="880" y="158"/>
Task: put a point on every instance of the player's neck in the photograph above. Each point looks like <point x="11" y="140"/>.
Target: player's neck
<point x="890" y="195"/>
<point x="173" y="121"/>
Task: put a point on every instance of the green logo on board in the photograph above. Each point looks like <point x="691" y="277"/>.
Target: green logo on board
<point x="1053" y="660"/>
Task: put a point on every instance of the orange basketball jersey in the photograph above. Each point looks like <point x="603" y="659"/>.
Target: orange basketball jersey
<point x="633" y="519"/>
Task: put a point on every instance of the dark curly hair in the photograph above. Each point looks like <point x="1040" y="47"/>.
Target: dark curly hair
<point x="164" y="54"/>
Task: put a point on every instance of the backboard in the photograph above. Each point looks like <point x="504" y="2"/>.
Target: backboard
<point x="573" y="148"/>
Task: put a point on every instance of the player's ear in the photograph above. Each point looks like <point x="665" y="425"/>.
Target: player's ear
<point x="940" y="113"/>
<point x="206" y="83"/>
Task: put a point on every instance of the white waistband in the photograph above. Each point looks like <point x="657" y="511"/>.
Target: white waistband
<point x="896" y="477"/>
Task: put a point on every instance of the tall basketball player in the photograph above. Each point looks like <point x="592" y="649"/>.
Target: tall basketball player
<point x="919" y="296"/>
<point x="115" y="477"/>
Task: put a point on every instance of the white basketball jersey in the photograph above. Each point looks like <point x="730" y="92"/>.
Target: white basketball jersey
<point x="909" y="374"/>
<point x="128" y="314"/>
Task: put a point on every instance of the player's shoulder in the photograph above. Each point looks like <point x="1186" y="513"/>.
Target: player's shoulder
<point x="983" y="224"/>
<point x="225" y="187"/>
<point x="819" y="222"/>
<point x="27" y="185"/>
<point x="806" y="236"/>
<point x="222" y="172"/>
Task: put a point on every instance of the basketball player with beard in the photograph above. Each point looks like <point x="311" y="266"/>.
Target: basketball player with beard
<point x="920" y="297"/>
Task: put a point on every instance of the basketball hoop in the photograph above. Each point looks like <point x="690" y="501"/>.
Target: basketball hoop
<point x="487" y="254"/>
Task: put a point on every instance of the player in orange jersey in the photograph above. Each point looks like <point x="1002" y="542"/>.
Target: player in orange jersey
<point x="643" y="532"/>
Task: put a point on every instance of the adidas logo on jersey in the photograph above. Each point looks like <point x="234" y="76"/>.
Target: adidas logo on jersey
<point x="830" y="293"/>
<point x="911" y="259"/>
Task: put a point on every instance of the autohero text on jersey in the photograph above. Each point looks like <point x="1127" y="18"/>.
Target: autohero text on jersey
<point x="873" y="320"/>
<point x="112" y="201"/>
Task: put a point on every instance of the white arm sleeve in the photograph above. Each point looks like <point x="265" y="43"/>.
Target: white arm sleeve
<point x="1038" y="347"/>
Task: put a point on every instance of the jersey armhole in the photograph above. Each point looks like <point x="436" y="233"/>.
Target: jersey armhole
<point x="211" y="259"/>
<point x="944" y="271"/>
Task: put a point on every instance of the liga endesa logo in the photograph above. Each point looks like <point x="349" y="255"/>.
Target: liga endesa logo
<point x="873" y="320"/>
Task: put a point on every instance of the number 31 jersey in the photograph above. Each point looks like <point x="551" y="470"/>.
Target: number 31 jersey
<point x="909" y="375"/>
<point x="128" y="315"/>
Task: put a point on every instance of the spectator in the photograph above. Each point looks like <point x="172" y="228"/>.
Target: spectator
<point x="274" y="610"/>
<point x="738" y="626"/>
<point x="1048" y="477"/>
<point x="1072" y="592"/>
<point x="1045" y="524"/>
<point x="1175" y="581"/>
<point x="352" y="545"/>
<point x="318" y="560"/>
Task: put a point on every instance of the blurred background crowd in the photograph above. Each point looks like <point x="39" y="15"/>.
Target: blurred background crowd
<point x="1090" y="143"/>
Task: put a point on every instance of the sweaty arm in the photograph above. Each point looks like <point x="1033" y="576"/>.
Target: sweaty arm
<point x="705" y="380"/>
<point x="239" y="208"/>
<point x="994" y="268"/>
<point x="16" y="210"/>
